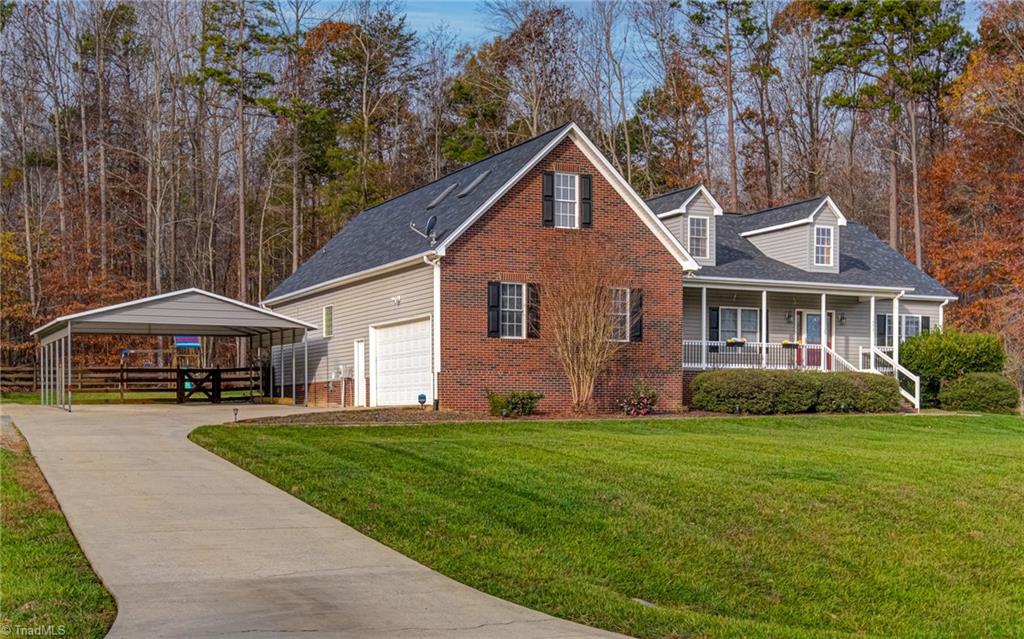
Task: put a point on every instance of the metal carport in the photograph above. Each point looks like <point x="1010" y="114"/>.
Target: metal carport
<point x="189" y="311"/>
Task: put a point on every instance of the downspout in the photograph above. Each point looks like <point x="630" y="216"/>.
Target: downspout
<point x="942" y="314"/>
<point x="434" y="260"/>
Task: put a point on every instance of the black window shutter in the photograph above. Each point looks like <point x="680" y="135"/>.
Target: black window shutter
<point x="493" y="309"/>
<point x="880" y="332"/>
<point x="636" y="315"/>
<point x="549" y="199"/>
<point x="586" y="207"/>
<point x="926" y="324"/>
<point x="532" y="310"/>
<point x="713" y="324"/>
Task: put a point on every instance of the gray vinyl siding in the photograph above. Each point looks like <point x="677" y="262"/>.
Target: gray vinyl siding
<point x="356" y="307"/>
<point x="825" y="217"/>
<point x="851" y="336"/>
<point x="679" y="226"/>
<point x="786" y="245"/>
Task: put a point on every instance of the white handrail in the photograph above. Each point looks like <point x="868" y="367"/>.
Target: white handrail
<point x="897" y="369"/>
<point x="837" y="358"/>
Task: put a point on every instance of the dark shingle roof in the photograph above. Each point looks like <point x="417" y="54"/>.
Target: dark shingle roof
<point x="381" y="235"/>
<point x="864" y="259"/>
<point x="672" y="200"/>
<point x="792" y="212"/>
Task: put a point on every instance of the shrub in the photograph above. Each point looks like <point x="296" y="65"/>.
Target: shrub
<point x="762" y="392"/>
<point x="513" y="404"/>
<point x="641" y="399"/>
<point x="983" y="392"/>
<point x="942" y="356"/>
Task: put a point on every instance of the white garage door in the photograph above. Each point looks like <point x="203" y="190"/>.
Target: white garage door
<point x="403" y="363"/>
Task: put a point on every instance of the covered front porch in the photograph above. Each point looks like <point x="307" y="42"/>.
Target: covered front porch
<point x="788" y="327"/>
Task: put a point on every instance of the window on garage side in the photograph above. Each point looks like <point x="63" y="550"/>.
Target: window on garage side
<point x="327" y="324"/>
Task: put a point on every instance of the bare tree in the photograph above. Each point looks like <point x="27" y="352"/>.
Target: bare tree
<point x="578" y="298"/>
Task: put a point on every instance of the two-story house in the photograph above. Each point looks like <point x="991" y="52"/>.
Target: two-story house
<point x="434" y="293"/>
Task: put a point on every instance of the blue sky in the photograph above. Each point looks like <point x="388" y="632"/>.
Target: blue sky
<point x="469" y="24"/>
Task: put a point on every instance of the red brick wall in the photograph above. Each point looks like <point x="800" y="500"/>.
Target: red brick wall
<point x="509" y="243"/>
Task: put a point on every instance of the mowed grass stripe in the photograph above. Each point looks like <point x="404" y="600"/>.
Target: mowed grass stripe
<point x="770" y="527"/>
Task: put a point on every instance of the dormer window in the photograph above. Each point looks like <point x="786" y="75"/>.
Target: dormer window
<point x="566" y="201"/>
<point x="823" y="246"/>
<point x="698" y="227"/>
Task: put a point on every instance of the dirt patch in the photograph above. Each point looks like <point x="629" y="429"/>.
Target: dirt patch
<point x="25" y="470"/>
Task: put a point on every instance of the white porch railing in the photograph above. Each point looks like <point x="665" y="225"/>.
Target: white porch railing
<point x="705" y="354"/>
<point x="910" y="384"/>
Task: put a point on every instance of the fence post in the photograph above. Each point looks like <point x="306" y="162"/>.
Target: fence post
<point x="120" y="382"/>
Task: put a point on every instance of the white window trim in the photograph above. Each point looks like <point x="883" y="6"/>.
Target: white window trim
<point x="629" y="312"/>
<point x="576" y="190"/>
<point x="526" y="303"/>
<point x="831" y="245"/>
<point x="739" y="321"/>
<point x="323" y="320"/>
<point x="903" y="327"/>
<point x="707" y="236"/>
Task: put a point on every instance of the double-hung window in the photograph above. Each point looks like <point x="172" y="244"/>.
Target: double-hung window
<point x="823" y="246"/>
<point x="513" y="310"/>
<point x="566" y="200"/>
<point x="699" y="237"/>
<point x="620" y="314"/>
<point x="910" y="325"/>
<point x="739" y="323"/>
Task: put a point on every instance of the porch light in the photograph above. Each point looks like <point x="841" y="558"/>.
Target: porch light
<point x="789" y="317"/>
<point x="842" y="318"/>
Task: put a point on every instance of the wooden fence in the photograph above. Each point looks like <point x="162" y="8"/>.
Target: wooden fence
<point x="183" y="383"/>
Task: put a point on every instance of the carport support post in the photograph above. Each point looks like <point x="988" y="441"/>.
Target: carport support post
<point x="39" y="358"/>
<point x="69" y="368"/>
<point x="305" y="367"/>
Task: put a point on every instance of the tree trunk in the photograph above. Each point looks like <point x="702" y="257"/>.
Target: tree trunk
<point x="101" y="93"/>
<point x="730" y="117"/>
<point x="27" y="217"/>
<point x="894" y="216"/>
<point x="912" y="115"/>
<point x="240" y="115"/>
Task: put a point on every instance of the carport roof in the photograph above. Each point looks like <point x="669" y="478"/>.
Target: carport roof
<point x="190" y="311"/>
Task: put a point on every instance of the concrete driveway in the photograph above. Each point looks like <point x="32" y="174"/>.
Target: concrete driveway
<point x="192" y="546"/>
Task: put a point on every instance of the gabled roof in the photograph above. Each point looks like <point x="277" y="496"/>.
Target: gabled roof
<point x="380" y="236"/>
<point x="190" y="311"/>
<point x="676" y="201"/>
<point x="864" y="260"/>
<point x="787" y="215"/>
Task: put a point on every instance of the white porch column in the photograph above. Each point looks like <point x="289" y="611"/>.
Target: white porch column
<point x="874" y="331"/>
<point x="764" y="328"/>
<point x="824" y="332"/>
<point x="896" y="329"/>
<point x="704" y="327"/>
<point x="305" y="367"/>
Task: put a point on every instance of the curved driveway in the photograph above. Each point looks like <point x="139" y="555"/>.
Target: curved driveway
<point x="192" y="546"/>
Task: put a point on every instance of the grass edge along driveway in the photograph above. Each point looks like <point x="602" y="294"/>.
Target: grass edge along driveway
<point x="733" y="527"/>
<point x="47" y="587"/>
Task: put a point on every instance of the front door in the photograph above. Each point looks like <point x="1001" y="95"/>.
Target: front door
<point x="810" y="327"/>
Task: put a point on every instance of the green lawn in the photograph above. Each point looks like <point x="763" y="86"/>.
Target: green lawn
<point x="46" y="583"/>
<point x="909" y="526"/>
<point x="106" y="397"/>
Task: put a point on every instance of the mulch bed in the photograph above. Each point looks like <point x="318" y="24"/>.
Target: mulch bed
<point x="371" y="416"/>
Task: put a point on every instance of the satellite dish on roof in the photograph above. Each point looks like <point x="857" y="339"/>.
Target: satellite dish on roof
<point x="428" y="232"/>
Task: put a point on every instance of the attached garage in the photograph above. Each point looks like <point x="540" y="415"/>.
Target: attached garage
<point x="400" y="361"/>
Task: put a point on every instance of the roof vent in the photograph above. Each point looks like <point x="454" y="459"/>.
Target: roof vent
<point x="442" y="195"/>
<point x="477" y="180"/>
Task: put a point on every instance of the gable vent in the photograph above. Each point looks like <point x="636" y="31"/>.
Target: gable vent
<point x="442" y="195"/>
<point x="477" y="180"/>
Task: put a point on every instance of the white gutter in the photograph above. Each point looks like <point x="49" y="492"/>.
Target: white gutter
<point x="942" y="313"/>
<point x="812" y="286"/>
